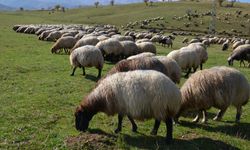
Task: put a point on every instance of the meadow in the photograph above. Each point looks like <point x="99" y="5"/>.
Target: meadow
<point x="38" y="96"/>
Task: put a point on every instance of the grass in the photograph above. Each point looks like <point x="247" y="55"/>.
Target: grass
<point x="38" y="97"/>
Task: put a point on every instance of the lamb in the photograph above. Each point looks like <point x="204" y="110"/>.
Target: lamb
<point x="140" y="94"/>
<point x="174" y="70"/>
<point x="213" y="87"/>
<point x="87" y="56"/>
<point x="241" y="53"/>
<point x="110" y="48"/>
<point x="91" y="40"/>
<point x="186" y="59"/>
<point x="146" y="47"/>
<point x="129" y="48"/>
<point x="65" y="43"/>
<point x="144" y="54"/>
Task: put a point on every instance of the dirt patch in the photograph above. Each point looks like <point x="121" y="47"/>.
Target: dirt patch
<point x="91" y="141"/>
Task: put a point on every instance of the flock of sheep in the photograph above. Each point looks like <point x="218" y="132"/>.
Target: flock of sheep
<point x="142" y="85"/>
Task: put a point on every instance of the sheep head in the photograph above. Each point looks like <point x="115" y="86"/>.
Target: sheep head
<point x="82" y="118"/>
<point x="230" y="61"/>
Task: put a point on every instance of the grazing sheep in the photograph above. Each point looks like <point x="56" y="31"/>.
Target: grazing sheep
<point x="236" y="44"/>
<point x="186" y="59"/>
<point x="225" y="45"/>
<point x="185" y="40"/>
<point x="142" y="40"/>
<point x="110" y="48"/>
<point x="167" y="41"/>
<point x="122" y="38"/>
<point x="200" y="48"/>
<point x="174" y="70"/>
<point x="137" y="94"/>
<point x="218" y="87"/>
<point x="146" y="47"/>
<point x="144" y="54"/>
<point x="65" y="43"/>
<point x="247" y="42"/>
<point x="129" y="48"/>
<point x="53" y="36"/>
<point x="241" y="53"/>
<point x="194" y="41"/>
<point x="91" y="40"/>
<point x="87" y="56"/>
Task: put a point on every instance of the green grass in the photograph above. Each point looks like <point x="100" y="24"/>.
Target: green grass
<point x="38" y="97"/>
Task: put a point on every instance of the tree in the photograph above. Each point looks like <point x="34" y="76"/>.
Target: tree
<point x="220" y="2"/>
<point x="21" y="8"/>
<point x="96" y="4"/>
<point x="146" y="2"/>
<point x="151" y="3"/>
<point x="57" y="7"/>
<point x="112" y="2"/>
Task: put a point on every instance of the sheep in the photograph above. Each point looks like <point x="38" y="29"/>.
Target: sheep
<point x="241" y="53"/>
<point x="64" y="43"/>
<point x="53" y="36"/>
<point x="87" y="56"/>
<point x="186" y="59"/>
<point x="247" y="42"/>
<point x="122" y="38"/>
<point x="110" y="48"/>
<point x="218" y="87"/>
<point x="144" y="54"/>
<point x="167" y="41"/>
<point x="91" y="40"/>
<point x="146" y="47"/>
<point x="129" y="48"/>
<point x="200" y="48"/>
<point x="236" y="44"/>
<point x="142" y="40"/>
<point x="225" y="45"/>
<point x="140" y="94"/>
<point x="185" y="40"/>
<point x="174" y="70"/>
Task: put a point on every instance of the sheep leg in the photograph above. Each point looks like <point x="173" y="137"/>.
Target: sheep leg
<point x="99" y="73"/>
<point x="83" y="71"/>
<point x="169" y="125"/>
<point x="197" y="118"/>
<point x="74" y="69"/>
<point x="156" y="127"/>
<point x="238" y="114"/>
<point x="119" y="128"/>
<point x="134" y="126"/>
<point x="220" y="114"/>
<point x="200" y="66"/>
<point x="204" y="113"/>
<point x="189" y="70"/>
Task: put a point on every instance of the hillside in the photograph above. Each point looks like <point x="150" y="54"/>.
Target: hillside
<point x="4" y="8"/>
<point x="38" y="96"/>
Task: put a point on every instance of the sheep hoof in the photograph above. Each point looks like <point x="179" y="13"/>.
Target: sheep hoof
<point x="204" y="121"/>
<point x="153" y="132"/>
<point x="117" y="130"/>
<point x="71" y="74"/>
<point x="134" y="130"/>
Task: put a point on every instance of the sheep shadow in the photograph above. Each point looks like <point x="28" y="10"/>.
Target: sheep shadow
<point x="157" y="142"/>
<point x="238" y="130"/>
<point x="101" y="132"/>
<point x="91" y="77"/>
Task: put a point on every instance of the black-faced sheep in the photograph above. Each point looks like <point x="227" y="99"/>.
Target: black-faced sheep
<point x="138" y="94"/>
<point x="87" y="56"/>
<point x="241" y="53"/>
<point x="217" y="87"/>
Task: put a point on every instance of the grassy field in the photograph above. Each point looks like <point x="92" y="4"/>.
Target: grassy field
<point x="38" y="96"/>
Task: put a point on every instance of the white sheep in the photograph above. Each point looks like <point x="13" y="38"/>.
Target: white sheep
<point x="174" y="70"/>
<point x="129" y="48"/>
<point x="146" y="47"/>
<point x="110" y="48"/>
<point x="219" y="87"/>
<point x="186" y="59"/>
<point x="87" y="56"/>
<point x="145" y="54"/>
<point x="140" y="94"/>
<point x="65" y="43"/>
<point x="90" y="40"/>
<point x="200" y="48"/>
